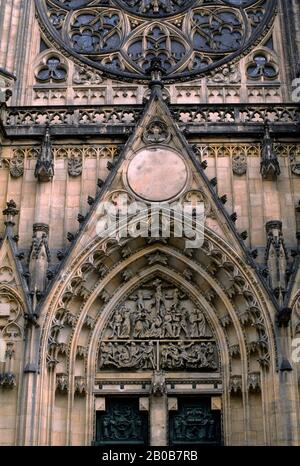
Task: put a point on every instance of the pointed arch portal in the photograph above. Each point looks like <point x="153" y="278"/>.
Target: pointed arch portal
<point x="169" y="329"/>
<point x="153" y="332"/>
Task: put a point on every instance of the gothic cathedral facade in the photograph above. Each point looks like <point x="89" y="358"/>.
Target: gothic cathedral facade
<point x="150" y="235"/>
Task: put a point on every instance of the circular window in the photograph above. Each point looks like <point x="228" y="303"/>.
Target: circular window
<point x="120" y="38"/>
<point x="157" y="174"/>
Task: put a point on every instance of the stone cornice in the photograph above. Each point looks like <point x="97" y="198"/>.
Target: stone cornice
<point x="103" y="120"/>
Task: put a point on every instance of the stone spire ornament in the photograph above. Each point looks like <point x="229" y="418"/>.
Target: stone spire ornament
<point x="44" y="170"/>
<point x="10" y="212"/>
<point x="156" y="71"/>
<point x="269" y="167"/>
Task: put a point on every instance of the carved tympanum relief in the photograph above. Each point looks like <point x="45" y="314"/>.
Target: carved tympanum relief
<point x="158" y="328"/>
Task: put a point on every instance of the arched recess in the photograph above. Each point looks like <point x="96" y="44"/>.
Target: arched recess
<point x="11" y="354"/>
<point x="96" y="282"/>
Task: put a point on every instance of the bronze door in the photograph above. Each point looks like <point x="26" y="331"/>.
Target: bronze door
<point x="195" y="423"/>
<point x="122" y="423"/>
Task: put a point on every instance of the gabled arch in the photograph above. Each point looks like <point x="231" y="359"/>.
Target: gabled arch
<point x="95" y="280"/>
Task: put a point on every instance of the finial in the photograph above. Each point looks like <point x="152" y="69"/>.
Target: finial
<point x="157" y="71"/>
<point x="10" y="212"/>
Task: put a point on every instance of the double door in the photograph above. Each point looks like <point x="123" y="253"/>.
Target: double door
<point x="193" y="423"/>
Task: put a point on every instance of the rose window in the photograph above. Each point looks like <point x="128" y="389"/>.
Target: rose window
<point x="121" y="37"/>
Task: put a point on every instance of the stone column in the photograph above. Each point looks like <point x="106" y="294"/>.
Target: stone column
<point x="159" y="411"/>
<point x="159" y="421"/>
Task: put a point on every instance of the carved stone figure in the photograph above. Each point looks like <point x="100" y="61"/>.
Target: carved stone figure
<point x="39" y="258"/>
<point x="131" y="355"/>
<point x="269" y="166"/>
<point x="157" y="132"/>
<point x="198" y="324"/>
<point x="158" y="311"/>
<point x="16" y="167"/>
<point x="75" y="166"/>
<point x="44" y="170"/>
<point x="230" y="74"/>
<point x="86" y="76"/>
<point x="239" y="165"/>
<point x="158" y="386"/>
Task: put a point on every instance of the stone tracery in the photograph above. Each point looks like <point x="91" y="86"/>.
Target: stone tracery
<point x="189" y="38"/>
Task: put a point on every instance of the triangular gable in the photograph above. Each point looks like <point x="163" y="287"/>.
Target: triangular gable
<point x="157" y="112"/>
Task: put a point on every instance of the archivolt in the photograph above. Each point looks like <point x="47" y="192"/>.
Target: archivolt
<point x="222" y="279"/>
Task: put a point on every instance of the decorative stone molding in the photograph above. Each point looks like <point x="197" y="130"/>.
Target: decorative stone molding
<point x="6" y="274"/>
<point x="234" y="351"/>
<point x="86" y="76"/>
<point x="11" y="322"/>
<point x="230" y="74"/>
<point x="295" y="161"/>
<point x="184" y="115"/>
